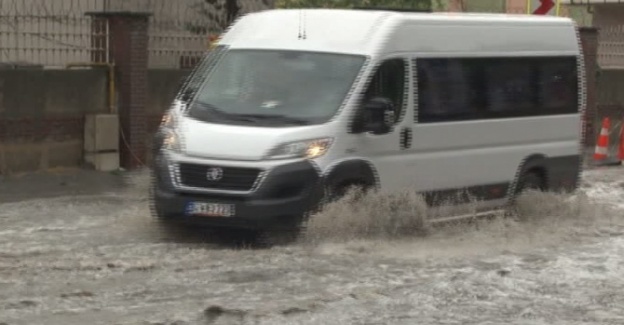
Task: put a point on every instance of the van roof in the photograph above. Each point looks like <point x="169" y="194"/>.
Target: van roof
<point x="369" y="32"/>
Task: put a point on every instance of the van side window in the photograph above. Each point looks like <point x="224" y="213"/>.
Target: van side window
<point x="389" y="82"/>
<point x="460" y="89"/>
<point x="446" y="90"/>
<point x="522" y="87"/>
<point x="558" y="85"/>
<point x="510" y="87"/>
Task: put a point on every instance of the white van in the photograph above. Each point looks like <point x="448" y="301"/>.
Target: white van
<point x="296" y="105"/>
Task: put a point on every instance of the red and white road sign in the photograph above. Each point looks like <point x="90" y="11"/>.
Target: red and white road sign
<point x="543" y="7"/>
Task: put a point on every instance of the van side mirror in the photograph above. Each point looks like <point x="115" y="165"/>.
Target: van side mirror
<point x="377" y="116"/>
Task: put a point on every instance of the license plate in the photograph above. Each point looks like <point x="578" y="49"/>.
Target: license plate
<point x="210" y="209"/>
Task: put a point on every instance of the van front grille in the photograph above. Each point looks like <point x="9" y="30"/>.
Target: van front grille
<point x="217" y="177"/>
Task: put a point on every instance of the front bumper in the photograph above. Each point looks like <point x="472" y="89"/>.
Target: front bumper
<point x="287" y="193"/>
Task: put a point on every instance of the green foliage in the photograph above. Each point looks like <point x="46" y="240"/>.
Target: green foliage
<point x="412" y="4"/>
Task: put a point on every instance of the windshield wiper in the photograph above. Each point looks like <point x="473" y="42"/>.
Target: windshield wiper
<point x="274" y="117"/>
<point x="212" y="109"/>
<point x="208" y="112"/>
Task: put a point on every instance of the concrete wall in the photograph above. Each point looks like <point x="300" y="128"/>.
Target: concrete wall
<point x="42" y="113"/>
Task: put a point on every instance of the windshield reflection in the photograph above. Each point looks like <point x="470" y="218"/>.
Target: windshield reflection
<point x="275" y="88"/>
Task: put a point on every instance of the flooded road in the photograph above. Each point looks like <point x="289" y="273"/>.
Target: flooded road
<point x="96" y="257"/>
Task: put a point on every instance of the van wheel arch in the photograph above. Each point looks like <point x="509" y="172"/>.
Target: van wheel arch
<point x="351" y="173"/>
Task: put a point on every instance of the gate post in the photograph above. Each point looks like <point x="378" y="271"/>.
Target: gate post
<point x="589" y="42"/>
<point x="128" y="51"/>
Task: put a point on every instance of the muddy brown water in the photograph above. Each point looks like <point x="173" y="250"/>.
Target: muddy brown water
<point x="83" y="250"/>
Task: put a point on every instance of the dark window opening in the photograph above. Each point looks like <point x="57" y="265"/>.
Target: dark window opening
<point x="459" y="89"/>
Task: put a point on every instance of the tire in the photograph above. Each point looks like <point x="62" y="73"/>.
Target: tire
<point x="530" y="181"/>
<point x="166" y="229"/>
<point x="155" y="212"/>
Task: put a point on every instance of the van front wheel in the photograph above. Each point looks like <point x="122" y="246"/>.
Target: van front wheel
<point x="338" y="192"/>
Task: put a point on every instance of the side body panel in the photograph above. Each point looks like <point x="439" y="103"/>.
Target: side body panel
<point x="481" y="156"/>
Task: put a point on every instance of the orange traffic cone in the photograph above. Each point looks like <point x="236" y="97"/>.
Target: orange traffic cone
<point x="621" y="150"/>
<point x="602" y="147"/>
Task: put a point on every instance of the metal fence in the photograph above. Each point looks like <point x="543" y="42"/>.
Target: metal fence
<point x="54" y="33"/>
<point x="180" y="30"/>
<point x="611" y="49"/>
<point x="45" y="32"/>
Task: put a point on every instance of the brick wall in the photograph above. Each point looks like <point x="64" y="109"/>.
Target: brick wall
<point x="589" y="42"/>
<point x="38" y="129"/>
<point x="128" y="50"/>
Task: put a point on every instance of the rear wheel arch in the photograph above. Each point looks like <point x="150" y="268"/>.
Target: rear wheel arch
<point x="531" y="179"/>
<point x="533" y="164"/>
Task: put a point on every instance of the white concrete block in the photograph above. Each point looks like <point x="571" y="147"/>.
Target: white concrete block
<point x="101" y="133"/>
<point x="105" y="162"/>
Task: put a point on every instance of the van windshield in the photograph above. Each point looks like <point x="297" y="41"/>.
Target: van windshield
<point x="275" y="88"/>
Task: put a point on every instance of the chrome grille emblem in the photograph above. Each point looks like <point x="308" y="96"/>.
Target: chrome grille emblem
<point x="214" y="174"/>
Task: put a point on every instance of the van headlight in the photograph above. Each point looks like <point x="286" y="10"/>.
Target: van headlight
<point x="309" y="149"/>
<point x="171" y="141"/>
<point x="168" y="120"/>
<point x="168" y="136"/>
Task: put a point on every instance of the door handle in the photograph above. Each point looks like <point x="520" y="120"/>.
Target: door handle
<point x="406" y="138"/>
